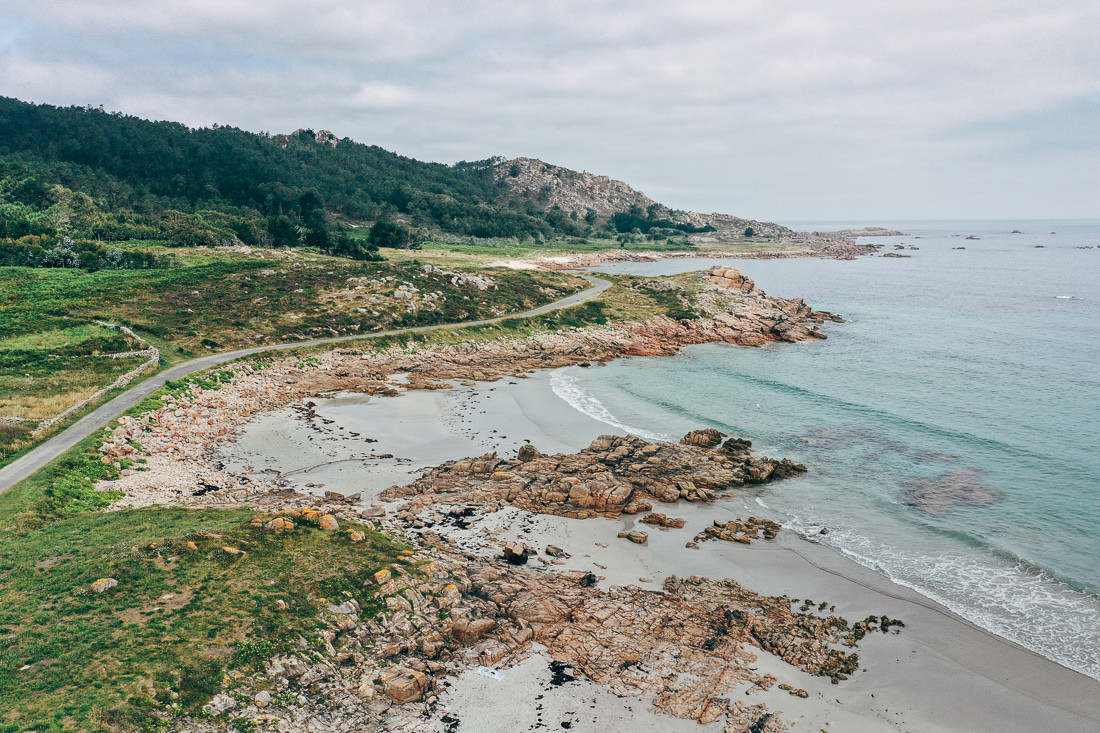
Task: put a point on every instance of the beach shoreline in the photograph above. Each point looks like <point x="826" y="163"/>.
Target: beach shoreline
<point x="939" y="673"/>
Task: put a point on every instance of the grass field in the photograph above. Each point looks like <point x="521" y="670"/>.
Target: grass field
<point x="44" y="373"/>
<point x="221" y="305"/>
<point x="76" y="659"/>
<point x="216" y="300"/>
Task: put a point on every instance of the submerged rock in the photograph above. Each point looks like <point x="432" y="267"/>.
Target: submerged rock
<point x="942" y="494"/>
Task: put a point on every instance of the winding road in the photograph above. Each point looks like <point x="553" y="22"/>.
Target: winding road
<point x="27" y="464"/>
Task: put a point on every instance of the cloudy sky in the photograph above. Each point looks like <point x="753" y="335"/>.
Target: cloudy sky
<point x="789" y="110"/>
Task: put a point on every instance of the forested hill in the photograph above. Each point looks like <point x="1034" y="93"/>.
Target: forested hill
<point x="133" y="166"/>
<point x="87" y="173"/>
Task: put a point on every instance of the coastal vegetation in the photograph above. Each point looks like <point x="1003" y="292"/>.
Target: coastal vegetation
<point x="187" y="608"/>
<point x="124" y="240"/>
<point x="214" y="300"/>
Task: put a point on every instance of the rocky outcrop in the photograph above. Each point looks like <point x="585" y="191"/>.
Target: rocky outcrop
<point x="691" y="648"/>
<point x="322" y="137"/>
<point x="612" y="476"/>
<point x="727" y="277"/>
<point x="550" y="186"/>
<point x="743" y="531"/>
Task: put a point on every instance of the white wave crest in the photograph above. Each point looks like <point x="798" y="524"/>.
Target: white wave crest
<point x="1011" y="600"/>
<point x="569" y="388"/>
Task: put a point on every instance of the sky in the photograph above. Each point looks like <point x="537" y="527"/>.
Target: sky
<point x="782" y="110"/>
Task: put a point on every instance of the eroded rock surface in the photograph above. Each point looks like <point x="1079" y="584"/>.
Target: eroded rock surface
<point x="612" y="476"/>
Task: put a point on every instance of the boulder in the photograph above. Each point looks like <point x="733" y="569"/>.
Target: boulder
<point x="404" y="685"/>
<point x="516" y="553"/>
<point x="280" y="524"/>
<point x="469" y="631"/>
<point x="706" y="438"/>
<point x="528" y="453"/>
<point x="328" y="522"/>
<point x="219" y="704"/>
<point x="104" y="584"/>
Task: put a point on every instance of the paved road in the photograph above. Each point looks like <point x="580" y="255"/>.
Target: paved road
<point x="26" y="465"/>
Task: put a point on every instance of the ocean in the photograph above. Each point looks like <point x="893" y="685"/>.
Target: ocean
<point x="950" y="425"/>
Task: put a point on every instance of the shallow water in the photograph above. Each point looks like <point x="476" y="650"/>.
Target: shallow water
<point x="950" y="424"/>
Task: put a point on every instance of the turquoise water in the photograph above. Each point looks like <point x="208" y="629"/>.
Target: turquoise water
<point x="951" y="425"/>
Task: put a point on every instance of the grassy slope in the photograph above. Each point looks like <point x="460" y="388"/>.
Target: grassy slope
<point x="214" y="301"/>
<point x="75" y="658"/>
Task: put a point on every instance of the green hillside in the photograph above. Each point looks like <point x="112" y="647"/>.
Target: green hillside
<point x="110" y="177"/>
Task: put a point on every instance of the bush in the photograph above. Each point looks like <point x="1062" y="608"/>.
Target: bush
<point x="74" y="253"/>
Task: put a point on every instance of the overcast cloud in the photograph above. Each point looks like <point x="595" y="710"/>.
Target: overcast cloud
<point x="780" y="109"/>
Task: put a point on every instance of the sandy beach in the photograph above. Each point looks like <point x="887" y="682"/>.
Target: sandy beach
<point x="939" y="673"/>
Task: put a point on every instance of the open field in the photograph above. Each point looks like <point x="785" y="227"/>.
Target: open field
<point x="218" y="300"/>
<point x="73" y="658"/>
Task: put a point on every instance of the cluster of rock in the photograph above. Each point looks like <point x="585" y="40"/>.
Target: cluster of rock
<point x="465" y="279"/>
<point x="612" y="476"/>
<point x="368" y="671"/>
<point x="743" y="531"/>
<point x="727" y="277"/>
<point x="688" y="648"/>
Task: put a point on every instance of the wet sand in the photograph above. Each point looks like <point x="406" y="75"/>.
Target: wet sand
<point x="940" y="673"/>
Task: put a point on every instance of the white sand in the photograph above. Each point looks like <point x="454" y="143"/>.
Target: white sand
<point x="939" y="674"/>
<point x="482" y="704"/>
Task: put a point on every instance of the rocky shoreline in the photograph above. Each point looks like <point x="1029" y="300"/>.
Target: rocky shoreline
<point x="842" y="247"/>
<point x="178" y="440"/>
<point x="686" y="649"/>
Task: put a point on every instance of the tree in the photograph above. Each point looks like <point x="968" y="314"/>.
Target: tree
<point x="341" y="245"/>
<point x="283" y="232"/>
<point x="388" y="234"/>
<point x="750" y="232"/>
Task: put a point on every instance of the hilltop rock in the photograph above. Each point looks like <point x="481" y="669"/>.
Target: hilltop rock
<point x="551" y="186"/>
